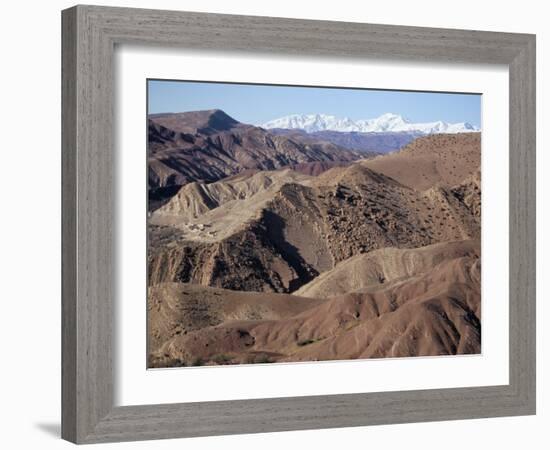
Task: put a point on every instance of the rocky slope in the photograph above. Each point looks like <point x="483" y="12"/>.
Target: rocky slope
<point x="430" y="314"/>
<point x="445" y="159"/>
<point x="176" y="309"/>
<point x="378" y="268"/>
<point x="258" y="235"/>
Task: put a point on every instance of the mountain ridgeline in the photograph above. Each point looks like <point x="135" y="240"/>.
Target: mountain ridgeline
<point x="385" y="123"/>
<point x="207" y="146"/>
<point x="370" y="142"/>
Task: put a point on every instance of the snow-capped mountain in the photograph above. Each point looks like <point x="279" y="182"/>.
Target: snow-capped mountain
<point x="385" y="123"/>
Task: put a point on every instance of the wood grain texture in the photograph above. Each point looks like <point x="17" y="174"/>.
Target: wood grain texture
<point x="68" y="226"/>
<point x="88" y="206"/>
<point x="89" y="36"/>
<point x="523" y="224"/>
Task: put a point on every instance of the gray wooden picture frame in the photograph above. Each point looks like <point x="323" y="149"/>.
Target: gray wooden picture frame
<point x="90" y="34"/>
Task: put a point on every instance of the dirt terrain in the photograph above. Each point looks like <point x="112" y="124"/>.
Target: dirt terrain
<point x="383" y="266"/>
<point x="436" y="312"/>
<point x="446" y="159"/>
<point x="268" y="249"/>
<point x="277" y="231"/>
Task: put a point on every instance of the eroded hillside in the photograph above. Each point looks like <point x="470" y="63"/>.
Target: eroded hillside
<point x="266" y="248"/>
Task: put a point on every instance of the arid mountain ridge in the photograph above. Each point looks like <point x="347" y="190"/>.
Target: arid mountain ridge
<point x="277" y="230"/>
<point x="207" y="146"/>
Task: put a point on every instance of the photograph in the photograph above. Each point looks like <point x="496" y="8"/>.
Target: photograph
<point x="292" y="224"/>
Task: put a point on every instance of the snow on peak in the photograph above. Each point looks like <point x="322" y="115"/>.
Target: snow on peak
<point x="312" y="122"/>
<point x="387" y="122"/>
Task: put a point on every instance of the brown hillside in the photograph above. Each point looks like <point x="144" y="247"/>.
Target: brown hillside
<point x="280" y="236"/>
<point x="379" y="267"/>
<point x="445" y="159"/>
<point x="436" y="313"/>
<point x="175" y="309"/>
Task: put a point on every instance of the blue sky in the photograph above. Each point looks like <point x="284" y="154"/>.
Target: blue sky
<point x="256" y="104"/>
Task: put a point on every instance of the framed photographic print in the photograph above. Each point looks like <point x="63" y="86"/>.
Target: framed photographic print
<point x="268" y="230"/>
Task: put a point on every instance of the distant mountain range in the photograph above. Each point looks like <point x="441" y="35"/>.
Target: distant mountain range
<point x="382" y="142"/>
<point x="386" y="123"/>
